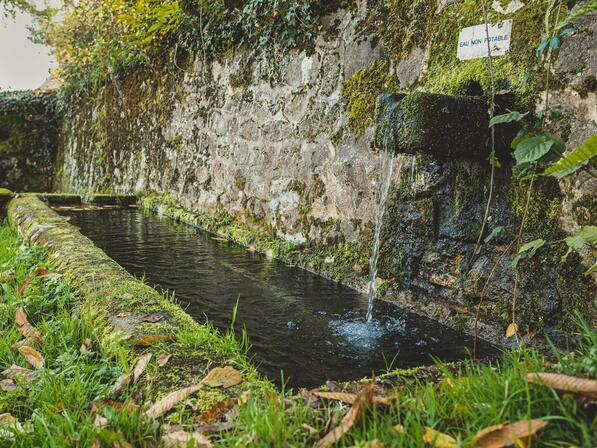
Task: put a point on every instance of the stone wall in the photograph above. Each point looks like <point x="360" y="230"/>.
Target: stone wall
<point x="283" y="155"/>
<point x="29" y="139"/>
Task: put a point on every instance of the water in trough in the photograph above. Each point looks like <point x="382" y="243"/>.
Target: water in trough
<point x="310" y="328"/>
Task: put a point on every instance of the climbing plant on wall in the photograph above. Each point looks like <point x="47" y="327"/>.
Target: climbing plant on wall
<point x="538" y="152"/>
<point x="95" y="40"/>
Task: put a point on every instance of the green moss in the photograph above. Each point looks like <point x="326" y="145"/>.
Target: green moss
<point x="361" y="91"/>
<point x="543" y="211"/>
<point x="405" y="24"/>
<point x="446" y="74"/>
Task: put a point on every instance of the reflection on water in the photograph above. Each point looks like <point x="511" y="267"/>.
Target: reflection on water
<point x="304" y="325"/>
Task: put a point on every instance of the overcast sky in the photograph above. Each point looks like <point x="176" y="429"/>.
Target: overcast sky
<point x="23" y="65"/>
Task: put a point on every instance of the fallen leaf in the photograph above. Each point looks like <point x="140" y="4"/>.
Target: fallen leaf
<point x="123" y="314"/>
<point x="121" y="443"/>
<point x="41" y="271"/>
<point x="32" y="356"/>
<point x="38" y="272"/>
<point x="311" y="429"/>
<point x="15" y="372"/>
<point x="362" y="401"/>
<point x="182" y="438"/>
<point x="244" y="398"/>
<point x="21" y="317"/>
<point x="215" y="238"/>
<point x="141" y="366"/>
<point x="223" y="376"/>
<point x="499" y="436"/>
<point x="30" y="331"/>
<point x="22" y="343"/>
<point x="121" y="383"/>
<point x="8" y="421"/>
<point x="83" y="349"/>
<point x="438" y="439"/>
<point x="349" y="398"/>
<point x="152" y="318"/>
<point x="398" y="428"/>
<point x="216" y="412"/>
<point x="163" y="359"/>
<point x="581" y="386"/>
<point x="511" y="330"/>
<point x="118" y="406"/>
<point x="100" y="422"/>
<point x="8" y="385"/>
<point x="151" y="339"/>
<point x="162" y="406"/>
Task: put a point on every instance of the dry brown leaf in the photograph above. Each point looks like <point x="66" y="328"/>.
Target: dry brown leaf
<point x="29" y="331"/>
<point x="141" y="366"/>
<point x="21" y="317"/>
<point x="121" y="383"/>
<point x="8" y="385"/>
<point x="22" y="343"/>
<point x="83" y="349"/>
<point x="362" y="401"/>
<point x="15" y="371"/>
<point x="438" y="439"/>
<point x="499" y="436"/>
<point x="163" y="359"/>
<point x="511" y="330"/>
<point x="311" y="429"/>
<point x="244" y="397"/>
<point x="216" y="412"/>
<point x="32" y="356"/>
<point x="223" y="376"/>
<point x="23" y="285"/>
<point x="38" y="273"/>
<point x="182" y="438"/>
<point x="41" y="271"/>
<point x="349" y="398"/>
<point x="151" y="339"/>
<point x="169" y="401"/>
<point x="151" y="318"/>
<point x="100" y="422"/>
<point x="581" y="386"/>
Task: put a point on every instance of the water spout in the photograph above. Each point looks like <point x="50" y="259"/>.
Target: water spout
<point x="388" y="164"/>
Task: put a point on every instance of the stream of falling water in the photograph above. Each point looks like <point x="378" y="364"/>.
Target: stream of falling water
<point x="388" y="169"/>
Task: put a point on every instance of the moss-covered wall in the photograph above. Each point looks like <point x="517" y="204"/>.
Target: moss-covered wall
<point x="288" y="164"/>
<point x="29" y="138"/>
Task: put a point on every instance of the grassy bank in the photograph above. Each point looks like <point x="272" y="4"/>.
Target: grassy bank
<point x="72" y="401"/>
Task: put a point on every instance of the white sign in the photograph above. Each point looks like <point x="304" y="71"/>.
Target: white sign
<point x="472" y="42"/>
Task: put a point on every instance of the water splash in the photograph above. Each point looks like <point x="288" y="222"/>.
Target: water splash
<point x="385" y="189"/>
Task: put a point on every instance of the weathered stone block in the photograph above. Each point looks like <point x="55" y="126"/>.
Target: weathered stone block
<point x="445" y="126"/>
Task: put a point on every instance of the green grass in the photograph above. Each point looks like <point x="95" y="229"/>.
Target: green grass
<point x="55" y="410"/>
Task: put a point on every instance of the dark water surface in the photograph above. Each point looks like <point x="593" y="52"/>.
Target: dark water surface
<point x="304" y="325"/>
